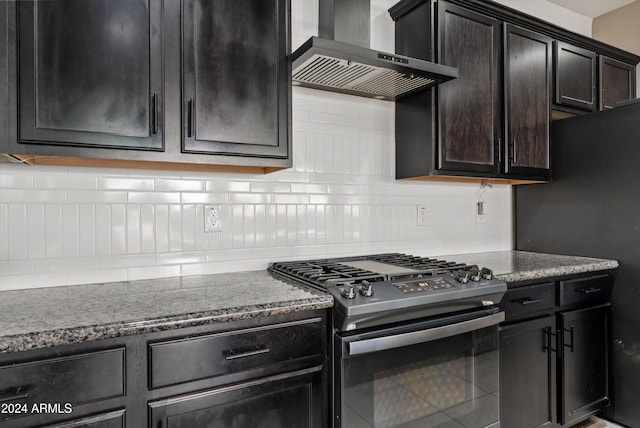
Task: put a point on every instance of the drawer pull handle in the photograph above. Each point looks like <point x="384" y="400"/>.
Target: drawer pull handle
<point x="548" y="340"/>
<point x="16" y="394"/>
<point x="190" y="116"/>
<point x="590" y="290"/>
<point x="570" y="331"/>
<point x="154" y="114"/>
<point x="528" y="301"/>
<point x="235" y="356"/>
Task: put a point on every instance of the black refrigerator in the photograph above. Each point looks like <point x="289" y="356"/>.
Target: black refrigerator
<point x="592" y="208"/>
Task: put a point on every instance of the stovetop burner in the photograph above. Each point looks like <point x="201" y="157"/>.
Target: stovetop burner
<point x="382" y="288"/>
<point x="325" y="273"/>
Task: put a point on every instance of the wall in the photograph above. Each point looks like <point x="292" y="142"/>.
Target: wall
<point x="62" y="226"/>
<point x="620" y="28"/>
<point x="553" y="13"/>
<point x="76" y="225"/>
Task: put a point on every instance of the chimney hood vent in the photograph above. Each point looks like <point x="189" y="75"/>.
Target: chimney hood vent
<point x="350" y="68"/>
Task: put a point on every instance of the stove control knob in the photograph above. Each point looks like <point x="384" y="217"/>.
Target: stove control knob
<point x="474" y="275"/>
<point x="366" y="288"/>
<point x="348" y="292"/>
<point x="461" y="276"/>
<point x="486" y="273"/>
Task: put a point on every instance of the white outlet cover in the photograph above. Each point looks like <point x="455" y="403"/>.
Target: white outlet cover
<point x="423" y="215"/>
<point x="212" y="218"/>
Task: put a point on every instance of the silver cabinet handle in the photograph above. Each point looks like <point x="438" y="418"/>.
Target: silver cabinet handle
<point x="590" y="290"/>
<point x="515" y="152"/>
<point x="16" y="394"/>
<point x="529" y="301"/>
<point x="235" y="356"/>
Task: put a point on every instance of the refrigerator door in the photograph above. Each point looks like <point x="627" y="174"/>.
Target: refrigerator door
<point x="592" y="208"/>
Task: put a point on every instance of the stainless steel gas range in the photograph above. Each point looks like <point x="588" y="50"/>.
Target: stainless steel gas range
<point x="414" y="340"/>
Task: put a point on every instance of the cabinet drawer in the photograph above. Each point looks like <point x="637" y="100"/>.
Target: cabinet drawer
<point x="69" y="379"/>
<point x="585" y="291"/>
<point x="194" y="358"/>
<point x="291" y="399"/>
<point x="518" y="302"/>
<point x="114" y="419"/>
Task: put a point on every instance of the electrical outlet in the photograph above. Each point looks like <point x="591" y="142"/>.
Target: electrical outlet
<point x="423" y="215"/>
<point x="212" y="218"/>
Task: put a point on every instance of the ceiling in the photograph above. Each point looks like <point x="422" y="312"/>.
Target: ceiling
<point x="591" y="8"/>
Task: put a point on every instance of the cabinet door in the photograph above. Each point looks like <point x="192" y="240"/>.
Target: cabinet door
<point x="527" y="374"/>
<point x="470" y="112"/>
<point x="583" y="369"/>
<point x="90" y="73"/>
<point x="527" y="74"/>
<point x="5" y="107"/>
<point x="575" y="77"/>
<point x="617" y="82"/>
<point x="288" y="400"/>
<point x="237" y="79"/>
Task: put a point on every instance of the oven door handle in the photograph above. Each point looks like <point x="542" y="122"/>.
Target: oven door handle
<point x="366" y="346"/>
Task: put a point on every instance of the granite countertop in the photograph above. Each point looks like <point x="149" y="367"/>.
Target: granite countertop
<point x="516" y="266"/>
<point x="44" y="317"/>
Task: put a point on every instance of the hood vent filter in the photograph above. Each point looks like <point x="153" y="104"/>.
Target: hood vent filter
<point x="340" y="60"/>
<point x="359" y="79"/>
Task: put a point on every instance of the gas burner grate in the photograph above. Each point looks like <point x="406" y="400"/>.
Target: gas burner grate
<point x="325" y="273"/>
<point x="418" y="263"/>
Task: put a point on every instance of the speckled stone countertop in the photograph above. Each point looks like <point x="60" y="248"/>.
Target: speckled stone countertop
<point x="516" y="266"/>
<point x="44" y="317"/>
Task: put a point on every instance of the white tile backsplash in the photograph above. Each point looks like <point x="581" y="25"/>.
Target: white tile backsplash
<point x="62" y="226"/>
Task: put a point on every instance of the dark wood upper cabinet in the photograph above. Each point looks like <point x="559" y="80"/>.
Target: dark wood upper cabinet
<point x="528" y="82"/>
<point x="493" y="121"/>
<point x="470" y="106"/>
<point x="617" y="82"/>
<point x="236" y="81"/>
<point x="156" y="84"/>
<point x="575" y="77"/>
<point x="90" y="73"/>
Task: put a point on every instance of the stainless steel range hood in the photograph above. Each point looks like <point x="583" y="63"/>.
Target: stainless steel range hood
<point x="340" y="60"/>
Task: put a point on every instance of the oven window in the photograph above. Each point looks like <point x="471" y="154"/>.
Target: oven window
<point x="447" y="383"/>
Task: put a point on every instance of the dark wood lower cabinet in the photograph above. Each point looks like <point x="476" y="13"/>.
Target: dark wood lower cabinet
<point x="263" y="372"/>
<point x="554" y="359"/>
<point x="527" y="390"/>
<point x="286" y="400"/>
<point x="584" y="360"/>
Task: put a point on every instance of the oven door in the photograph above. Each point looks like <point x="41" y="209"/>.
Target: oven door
<point x="441" y="373"/>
